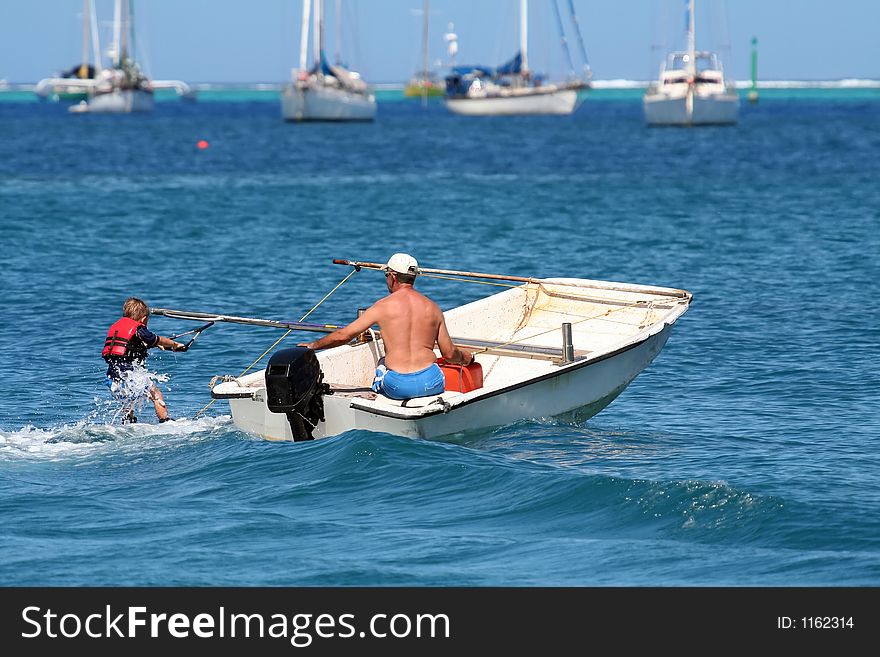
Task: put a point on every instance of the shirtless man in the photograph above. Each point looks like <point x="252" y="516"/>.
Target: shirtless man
<point x="411" y="324"/>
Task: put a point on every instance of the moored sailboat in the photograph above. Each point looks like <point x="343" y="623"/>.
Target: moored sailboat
<point x="324" y="92"/>
<point x="425" y="82"/>
<point x="514" y="88"/>
<point x="74" y="84"/>
<point x="691" y="89"/>
<point x="121" y="87"/>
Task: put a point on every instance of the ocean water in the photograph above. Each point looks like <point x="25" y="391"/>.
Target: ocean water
<point x="746" y="455"/>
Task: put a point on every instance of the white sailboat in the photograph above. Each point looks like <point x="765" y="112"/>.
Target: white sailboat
<point x="425" y="82"/>
<point x="324" y="92"/>
<point x="513" y="88"/>
<point x="691" y="89"/>
<point x="74" y="84"/>
<point x="120" y="87"/>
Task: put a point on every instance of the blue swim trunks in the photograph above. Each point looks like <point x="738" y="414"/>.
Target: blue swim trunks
<point x="424" y="383"/>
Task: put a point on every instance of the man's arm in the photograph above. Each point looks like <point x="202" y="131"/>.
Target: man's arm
<point x="448" y="350"/>
<point x="345" y="334"/>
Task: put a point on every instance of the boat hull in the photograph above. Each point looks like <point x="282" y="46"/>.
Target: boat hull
<point x="312" y="103"/>
<point x="121" y="101"/>
<point x="558" y="102"/>
<point x="580" y="390"/>
<point x="548" y="348"/>
<point x="718" y="109"/>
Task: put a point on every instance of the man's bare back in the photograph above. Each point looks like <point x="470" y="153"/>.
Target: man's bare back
<point x="410" y="324"/>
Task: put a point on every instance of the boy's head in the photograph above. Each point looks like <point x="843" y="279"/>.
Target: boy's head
<point x="136" y="310"/>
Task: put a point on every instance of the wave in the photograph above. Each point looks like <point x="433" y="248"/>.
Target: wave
<point x="90" y="436"/>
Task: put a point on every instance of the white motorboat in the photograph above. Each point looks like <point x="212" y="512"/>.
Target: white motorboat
<point x="513" y="89"/>
<point x="324" y="92"/>
<point x="691" y="89"/>
<point x="544" y="348"/>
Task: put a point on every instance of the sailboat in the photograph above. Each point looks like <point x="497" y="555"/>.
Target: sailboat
<point x="425" y="82"/>
<point x="691" y="89"/>
<point x="324" y="92"/>
<point x="120" y="87"/>
<point x="74" y="84"/>
<point x="513" y="88"/>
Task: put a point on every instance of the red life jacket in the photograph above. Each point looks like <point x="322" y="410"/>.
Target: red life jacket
<point x="119" y="338"/>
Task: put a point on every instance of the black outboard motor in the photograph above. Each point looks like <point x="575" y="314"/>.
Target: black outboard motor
<point x="295" y="387"/>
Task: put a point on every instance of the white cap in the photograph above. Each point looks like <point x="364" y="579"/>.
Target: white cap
<point x="402" y="263"/>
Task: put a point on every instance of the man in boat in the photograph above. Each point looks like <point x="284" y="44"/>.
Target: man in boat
<point x="411" y="324"/>
<point x="125" y="350"/>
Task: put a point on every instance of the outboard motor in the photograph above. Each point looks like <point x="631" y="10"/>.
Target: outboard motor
<point x="295" y="387"/>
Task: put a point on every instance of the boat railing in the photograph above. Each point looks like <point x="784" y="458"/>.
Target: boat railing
<point x="516" y="350"/>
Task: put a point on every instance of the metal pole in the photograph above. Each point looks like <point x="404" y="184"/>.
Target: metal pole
<point x="567" y="344"/>
<point x="487" y="346"/>
<point x="362" y="337"/>
<point x="643" y="289"/>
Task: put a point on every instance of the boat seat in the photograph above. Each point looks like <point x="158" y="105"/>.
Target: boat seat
<point x="342" y="390"/>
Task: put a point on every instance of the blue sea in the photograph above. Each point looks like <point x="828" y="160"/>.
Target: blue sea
<point x="747" y="454"/>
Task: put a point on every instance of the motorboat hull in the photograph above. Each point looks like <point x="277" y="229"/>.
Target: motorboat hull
<point x="317" y="103"/>
<point x="581" y="390"/>
<point x="616" y="331"/>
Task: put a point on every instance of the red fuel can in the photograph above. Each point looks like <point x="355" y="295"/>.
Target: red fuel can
<point x="461" y="378"/>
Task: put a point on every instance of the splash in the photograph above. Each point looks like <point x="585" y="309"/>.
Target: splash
<point x="131" y="393"/>
<point x="86" y="438"/>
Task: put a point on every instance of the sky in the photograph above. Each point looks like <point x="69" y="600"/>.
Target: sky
<point x="250" y="41"/>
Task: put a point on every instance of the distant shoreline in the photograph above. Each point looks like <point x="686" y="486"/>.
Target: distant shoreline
<point x="845" y="83"/>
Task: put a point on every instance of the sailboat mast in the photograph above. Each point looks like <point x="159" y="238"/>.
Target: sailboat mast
<point x="692" y="45"/>
<point x="129" y="28"/>
<point x="123" y="26"/>
<point x="338" y="32"/>
<point x="84" y="65"/>
<point x="96" y="44"/>
<point x="425" y="41"/>
<point x="319" y="33"/>
<point x="117" y="36"/>
<point x="304" y="35"/>
<point x="524" y="33"/>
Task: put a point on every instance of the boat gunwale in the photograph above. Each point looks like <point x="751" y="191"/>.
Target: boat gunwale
<point x="466" y="400"/>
